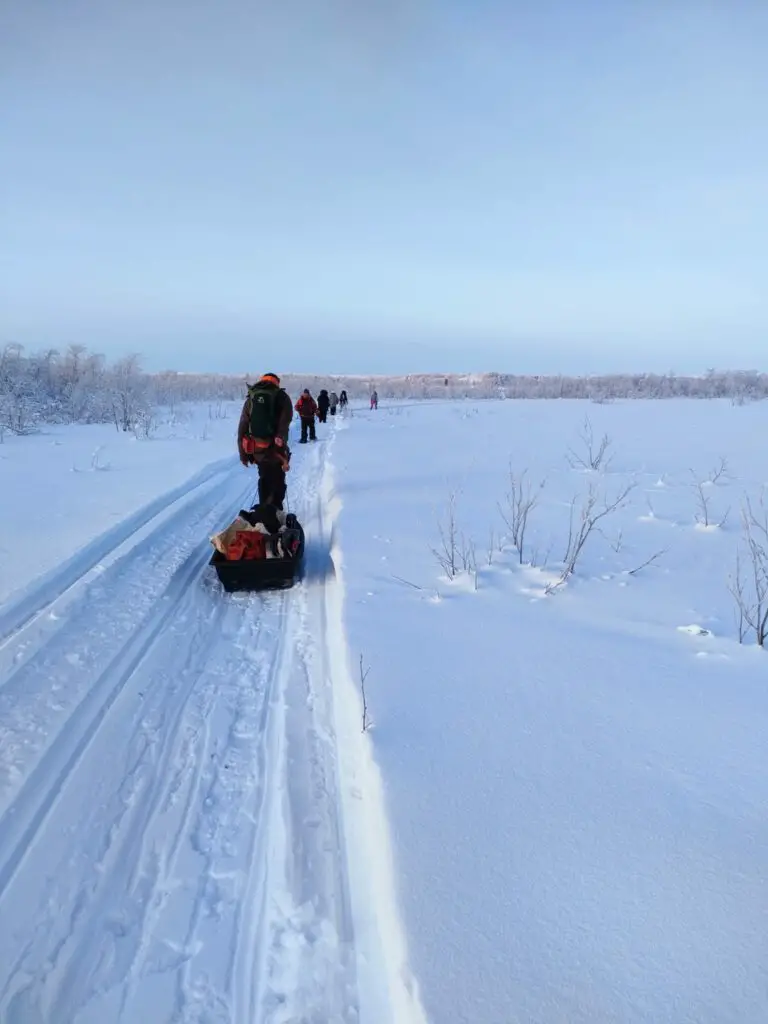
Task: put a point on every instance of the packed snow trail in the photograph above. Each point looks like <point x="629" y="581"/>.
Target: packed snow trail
<point x="42" y="593"/>
<point x="172" y="834"/>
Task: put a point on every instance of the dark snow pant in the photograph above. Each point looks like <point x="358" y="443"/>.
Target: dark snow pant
<point x="322" y="414"/>
<point x="333" y="410"/>
<point x="272" y="485"/>
<point x="308" y="426"/>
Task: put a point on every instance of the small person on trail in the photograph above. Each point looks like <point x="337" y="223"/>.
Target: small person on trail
<point x="374" y="399"/>
<point x="262" y="437"/>
<point x="334" y="402"/>
<point x="343" y="400"/>
<point x="306" y="407"/>
<point x="323" y="402"/>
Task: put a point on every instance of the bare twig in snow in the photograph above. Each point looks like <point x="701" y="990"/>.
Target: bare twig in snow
<point x="363" y="676"/>
<point x="535" y="561"/>
<point x="737" y="589"/>
<point x="647" y="562"/>
<point x="491" y="546"/>
<point x="406" y="582"/>
<point x="473" y="563"/>
<point x="719" y="472"/>
<point x="466" y="552"/>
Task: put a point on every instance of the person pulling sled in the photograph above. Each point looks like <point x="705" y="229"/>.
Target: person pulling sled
<point x="306" y="407"/>
<point x="262" y="437"/>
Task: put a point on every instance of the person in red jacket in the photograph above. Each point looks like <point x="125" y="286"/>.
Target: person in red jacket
<point x="306" y="407"/>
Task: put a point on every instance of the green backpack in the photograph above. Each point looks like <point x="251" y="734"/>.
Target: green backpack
<point x="262" y="422"/>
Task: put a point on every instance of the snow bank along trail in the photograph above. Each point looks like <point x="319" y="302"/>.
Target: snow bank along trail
<point x="182" y="837"/>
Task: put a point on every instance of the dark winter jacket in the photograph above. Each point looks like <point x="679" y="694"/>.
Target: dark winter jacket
<point x="284" y="416"/>
<point x="306" y="407"/>
<point x="323" y="401"/>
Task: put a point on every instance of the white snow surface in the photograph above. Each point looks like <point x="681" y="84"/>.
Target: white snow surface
<point x="558" y="814"/>
<point x="577" y="783"/>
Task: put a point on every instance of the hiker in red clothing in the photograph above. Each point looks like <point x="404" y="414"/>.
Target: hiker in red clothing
<point x="306" y="407"/>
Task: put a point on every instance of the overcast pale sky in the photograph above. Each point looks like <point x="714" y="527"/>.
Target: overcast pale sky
<point x="385" y="185"/>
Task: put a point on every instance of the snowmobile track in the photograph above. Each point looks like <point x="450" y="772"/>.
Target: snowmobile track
<point x="25" y="815"/>
<point x="42" y="594"/>
<point x="57" y="672"/>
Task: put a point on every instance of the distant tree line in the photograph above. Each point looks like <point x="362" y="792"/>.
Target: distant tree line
<point x="78" y="386"/>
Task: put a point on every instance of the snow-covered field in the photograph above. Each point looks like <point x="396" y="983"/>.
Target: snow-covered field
<point x="577" y="783"/>
<point x="558" y="814"/>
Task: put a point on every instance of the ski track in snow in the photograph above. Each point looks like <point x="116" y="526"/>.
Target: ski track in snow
<point x="41" y="595"/>
<point x="171" y="838"/>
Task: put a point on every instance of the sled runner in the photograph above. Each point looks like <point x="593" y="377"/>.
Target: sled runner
<point x="263" y="549"/>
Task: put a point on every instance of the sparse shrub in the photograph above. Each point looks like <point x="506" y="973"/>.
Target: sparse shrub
<point x="594" y="455"/>
<point x="749" y="583"/>
<point x="582" y="526"/>
<point x="447" y="552"/>
<point x="520" y="501"/>
<point x="703" y="514"/>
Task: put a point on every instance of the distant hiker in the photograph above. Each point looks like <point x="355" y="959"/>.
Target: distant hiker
<point x="323" y="402"/>
<point x="374" y="399"/>
<point x="334" y="402"/>
<point x="343" y="400"/>
<point x="306" y="407"/>
<point x="262" y="436"/>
